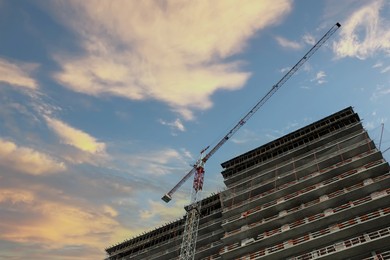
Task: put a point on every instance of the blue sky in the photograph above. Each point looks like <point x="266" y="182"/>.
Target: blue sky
<point x="104" y="105"/>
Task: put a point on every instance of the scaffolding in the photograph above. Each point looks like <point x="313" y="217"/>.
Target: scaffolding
<point x="318" y="192"/>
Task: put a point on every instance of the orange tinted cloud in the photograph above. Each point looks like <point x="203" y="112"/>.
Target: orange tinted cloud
<point x="27" y="160"/>
<point x="18" y="74"/>
<point x="75" y="137"/>
<point x="56" y="224"/>
<point x="169" y="51"/>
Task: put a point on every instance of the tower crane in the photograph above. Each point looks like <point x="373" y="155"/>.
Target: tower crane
<point x="187" y="250"/>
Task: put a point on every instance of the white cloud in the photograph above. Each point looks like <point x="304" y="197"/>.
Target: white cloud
<point x="246" y="136"/>
<point x="378" y="65"/>
<point x="160" y="162"/>
<point x="287" y="43"/>
<point x="175" y="125"/>
<point x="285" y="69"/>
<point x="320" y="77"/>
<point x="369" y="125"/>
<point x="18" y="74"/>
<point x="380" y="92"/>
<point x="187" y="154"/>
<point x="27" y="160"/>
<point x="173" y="52"/>
<point x="384" y="70"/>
<point x="364" y="33"/>
<point x="309" y="39"/>
<point x="75" y="137"/>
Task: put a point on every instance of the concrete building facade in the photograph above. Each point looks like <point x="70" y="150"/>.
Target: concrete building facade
<point x="321" y="192"/>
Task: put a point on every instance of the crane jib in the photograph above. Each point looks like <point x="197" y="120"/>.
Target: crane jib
<point x="263" y="100"/>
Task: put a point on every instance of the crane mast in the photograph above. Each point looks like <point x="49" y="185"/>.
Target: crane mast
<point x="187" y="251"/>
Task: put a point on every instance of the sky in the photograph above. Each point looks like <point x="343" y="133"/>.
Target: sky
<point x="105" y="105"/>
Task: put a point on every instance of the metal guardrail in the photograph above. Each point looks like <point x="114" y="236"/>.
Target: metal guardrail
<point x="346" y="244"/>
<point x="313" y="152"/>
<point x="308" y="189"/>
<point x="314" y="235"/>
<point x="379" y="256"/>
<point x="312" y="175"/>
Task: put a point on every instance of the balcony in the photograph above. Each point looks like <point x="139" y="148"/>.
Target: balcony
<point x="299" y="163"/>
<point x="273" y="192"/>
<point x="276" y="221"/>
<point x="353" y="207"/>
<point x="295" y="199"/>
<point x="310" y="144"/>
<point x="351" y="247"/>
<point x="313" y="239"/>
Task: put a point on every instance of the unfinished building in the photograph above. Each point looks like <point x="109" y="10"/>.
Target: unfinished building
<point x="321" y="192"/>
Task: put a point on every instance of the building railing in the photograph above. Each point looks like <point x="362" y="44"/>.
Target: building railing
<point x="379" y="256"/>
<point x="308" y="189"/>
<point x="277" y="156"/>
<point x="312" y="152"/>
<point x="210" y="234"/>
<point x="346" y="244"/>
<point x="312" y="175"/>
<point x="342" y="225"/>
<point x="208" y="246"/>
<point x="314" y="235"/>
<point x="316" y="216"/>
<point x="212" y="257"/>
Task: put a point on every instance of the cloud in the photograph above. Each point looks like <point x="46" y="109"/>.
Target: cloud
<point x="159" y="213"/>
<point x="75" y="137"/>
<point x="320" y="77"/>
<point x="380" y="92"/>
<point x="32" y="219"/>
<point x="161" y="162"/>
<point x="246" y="136"/>
<point x="175" y="125"/>
<point x="21" y="196"/>
<point x="285" y="69"/>
<point x="309" y="39"/>
<point x="27" y="160"/>
<point x="287" y="43"/>
<point x="364" y="33"/>
<point x="384" y="70"/>
<point x="18" y="74"/>
<point x="369" y="125"/>
<point x="160" y="50"/>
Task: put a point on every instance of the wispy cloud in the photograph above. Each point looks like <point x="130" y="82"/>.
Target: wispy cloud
<point x="27" y="160"/>
<point x="309" y="39"/>
<point x="175" y="125"/>
<point x="378" y="65"/>
<point x="320" y="77"/>
<point x="18" y="74"/>
<point x="246" y="136"/>
<point x="386" y="69"/>
<point x="160" y="162"/>
<point x="164" y="212"/>
<point x="380" y="92"/>
<point x="287" y="43"/>
<point x="364" y="33"/>
<point x="75" y="137"/>
<point x="150" y="50"/>
<point x="285" y="69"/>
